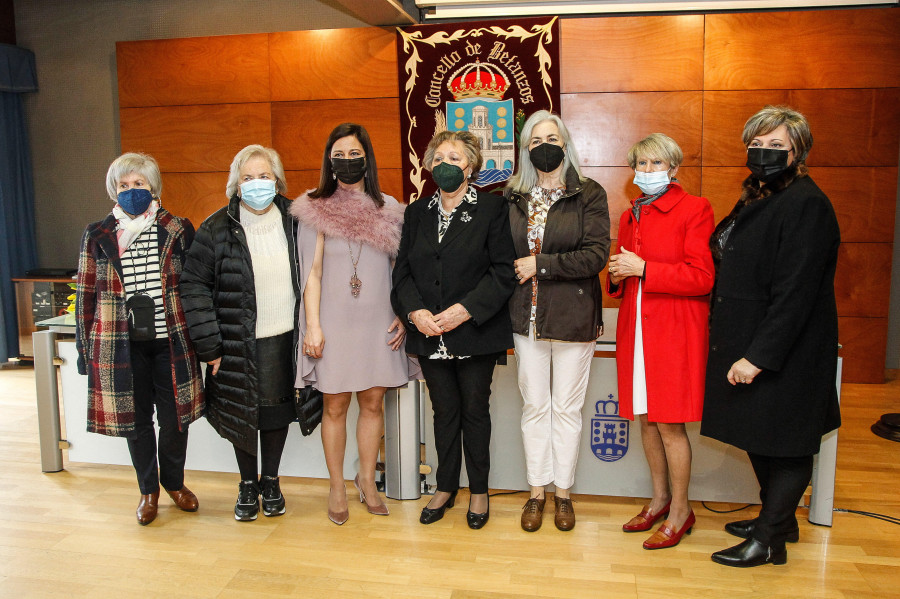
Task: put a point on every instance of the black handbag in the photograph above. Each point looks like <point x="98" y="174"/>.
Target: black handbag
<point x="308" y="404"/>
<point x="141" y="317"/>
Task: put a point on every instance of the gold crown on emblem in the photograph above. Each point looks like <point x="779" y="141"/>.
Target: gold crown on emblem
<point x="478" y="81"/>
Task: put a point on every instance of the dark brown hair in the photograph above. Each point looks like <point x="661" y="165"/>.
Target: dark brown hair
<point x="327" y="181"/>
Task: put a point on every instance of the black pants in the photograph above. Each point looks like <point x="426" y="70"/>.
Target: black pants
<point x="151" y="366"/>
<point x="460" y="393"/>
<point x="782" y="482"/>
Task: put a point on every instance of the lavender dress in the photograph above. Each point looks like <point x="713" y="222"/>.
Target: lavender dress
<point x="356" y="355"/>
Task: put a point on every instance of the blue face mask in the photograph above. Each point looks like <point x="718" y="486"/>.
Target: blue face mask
<point x="258" y="193"/>
<point x="135" y="201"/>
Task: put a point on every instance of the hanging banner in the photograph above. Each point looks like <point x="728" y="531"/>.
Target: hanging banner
<point x="486" y="78"/>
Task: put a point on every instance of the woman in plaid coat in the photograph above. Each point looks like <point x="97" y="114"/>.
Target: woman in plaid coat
<point x="138" y="251"/>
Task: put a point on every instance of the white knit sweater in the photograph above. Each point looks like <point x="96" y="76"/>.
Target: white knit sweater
<point x="271" y="261"/>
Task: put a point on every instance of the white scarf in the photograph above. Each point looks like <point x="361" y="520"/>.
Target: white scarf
<point x="130" y="228"/>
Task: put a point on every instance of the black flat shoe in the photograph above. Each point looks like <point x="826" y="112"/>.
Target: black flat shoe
<point x="744" y="528"/>
<point x="750" y="553"/>
<point x="476" y="521"/>
<point x="430" y="515"/>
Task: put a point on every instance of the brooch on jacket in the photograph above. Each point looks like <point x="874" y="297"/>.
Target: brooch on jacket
<point x="465" y="217"/>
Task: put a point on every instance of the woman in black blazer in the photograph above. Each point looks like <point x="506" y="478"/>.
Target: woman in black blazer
<point x="453" y="276"/>
<point x="770" y="378"/>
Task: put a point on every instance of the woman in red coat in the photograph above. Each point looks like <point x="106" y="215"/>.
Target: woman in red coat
<point x="664" y="273"/>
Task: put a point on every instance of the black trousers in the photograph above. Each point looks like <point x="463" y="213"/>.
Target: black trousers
<point x="782" y="482"/>
<point x="460" y="393"/>
<point x="151" y="366"/>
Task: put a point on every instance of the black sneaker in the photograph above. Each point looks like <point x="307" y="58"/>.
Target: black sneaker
<point x="247" y="507"/>
<point x="272" y="499"/>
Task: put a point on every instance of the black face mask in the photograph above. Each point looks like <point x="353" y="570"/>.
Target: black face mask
<point x="349" y="170"/>
<point x="546" y="157"/>
<point x="767" y="163"/>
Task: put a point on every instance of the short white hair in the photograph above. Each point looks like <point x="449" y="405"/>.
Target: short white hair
<point x="241" y="158"/>
<point x="133" y="162"/>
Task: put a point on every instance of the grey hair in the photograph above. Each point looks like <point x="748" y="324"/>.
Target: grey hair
<point x="241" y="158"/>
<point x="133" y="162"/>
<point x="527" y="177"/>
<point x="770" y="118"/>
<point x="656" y="145"/>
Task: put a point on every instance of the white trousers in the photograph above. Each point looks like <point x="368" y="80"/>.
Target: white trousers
<point x="553" y="379"/>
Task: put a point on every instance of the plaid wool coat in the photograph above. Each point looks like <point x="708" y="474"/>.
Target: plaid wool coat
<point x="104" y="348"/>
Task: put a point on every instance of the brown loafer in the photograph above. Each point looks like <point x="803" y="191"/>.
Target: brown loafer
<point x="184" y="499"/>
<point x="565" y="513"/>
<point x="147" y="508"/>
<point x="533" y="514"/>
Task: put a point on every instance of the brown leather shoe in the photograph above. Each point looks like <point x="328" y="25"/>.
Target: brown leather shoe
<point x="565" y="513"/>
<point x="533" y="514"/>
<point x="184" y="499"/>
<point x="147" y="508"/>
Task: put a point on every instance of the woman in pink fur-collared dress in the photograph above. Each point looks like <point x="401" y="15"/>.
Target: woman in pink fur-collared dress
<point x="352" y="341"/>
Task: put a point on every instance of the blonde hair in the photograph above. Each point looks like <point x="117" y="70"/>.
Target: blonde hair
<point x="770" y="118"/>
<point x="656" y="145"/>
<point x="470" y="144"/>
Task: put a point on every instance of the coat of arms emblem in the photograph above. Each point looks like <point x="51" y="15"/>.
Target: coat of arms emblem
<point x="609" y="432"/>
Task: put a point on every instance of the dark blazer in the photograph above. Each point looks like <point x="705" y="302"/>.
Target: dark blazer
<point x="573" y="252"/>
<point x="472" y="265"/>
<point x="219" y="298"/>
<point x="774" y="304"/>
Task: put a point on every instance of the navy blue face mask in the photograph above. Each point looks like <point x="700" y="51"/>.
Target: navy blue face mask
<point x="135" y="201"/>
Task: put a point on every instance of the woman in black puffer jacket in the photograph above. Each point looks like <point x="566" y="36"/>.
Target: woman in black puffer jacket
<point x="240" y="292"/>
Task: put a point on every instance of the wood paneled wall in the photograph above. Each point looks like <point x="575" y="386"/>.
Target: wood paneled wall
<point x="193" y="103"/>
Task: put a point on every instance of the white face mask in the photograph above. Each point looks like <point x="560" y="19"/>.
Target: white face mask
<point x="651" y="183"/>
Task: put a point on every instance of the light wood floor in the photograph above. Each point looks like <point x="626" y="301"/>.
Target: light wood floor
<point x="73" y="534"/>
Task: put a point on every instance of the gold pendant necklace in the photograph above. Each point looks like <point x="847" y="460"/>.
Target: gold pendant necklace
<point x="355" y="283"/>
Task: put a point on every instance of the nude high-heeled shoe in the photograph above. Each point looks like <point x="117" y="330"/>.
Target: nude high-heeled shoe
<point x="378" y="510"/>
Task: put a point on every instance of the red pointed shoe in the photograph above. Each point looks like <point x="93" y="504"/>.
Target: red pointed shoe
<point x="666" y="536"/>
<point x="645" y="520"/>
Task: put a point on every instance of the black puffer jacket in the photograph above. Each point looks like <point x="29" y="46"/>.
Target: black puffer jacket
<point x="218" y="294"/>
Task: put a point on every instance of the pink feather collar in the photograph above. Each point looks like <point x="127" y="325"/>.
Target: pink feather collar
<point x="352" y="215"/>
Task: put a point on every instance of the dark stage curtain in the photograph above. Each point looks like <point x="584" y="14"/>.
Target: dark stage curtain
<point x="18" y="251"/>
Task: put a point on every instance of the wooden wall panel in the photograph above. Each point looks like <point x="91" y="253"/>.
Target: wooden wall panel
<point x="801" y="50"/>
<point x="605" y="126"/>
<point x="195" y="138"/>
<point x="863" y="197"/>
<point x="863" y="341"/>
<point x="622" y="54"/>
<point x="333" y="63"/>
<point x="300" y="129"/>
<point x="194" y="195"/>
<point x="299" y="182"/>
<point x="620" y="191"/>
<point x="197" y="70"/>
<point x="862" y="282"/>
<point x="722" y="186"/>
<point x="850" y="127"/>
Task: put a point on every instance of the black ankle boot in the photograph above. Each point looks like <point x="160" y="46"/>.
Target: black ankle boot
<point x="272" y="499"/>
<point x="744" y="528"/>
<point x="247" y="507"/>
<point x="750" y="553"/>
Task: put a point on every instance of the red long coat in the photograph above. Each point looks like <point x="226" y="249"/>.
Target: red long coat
<point x="673" y="238"/>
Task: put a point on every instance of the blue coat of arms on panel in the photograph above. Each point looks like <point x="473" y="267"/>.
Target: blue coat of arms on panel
<point x="480" y="109"/>
<point x="609" y="432"/>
